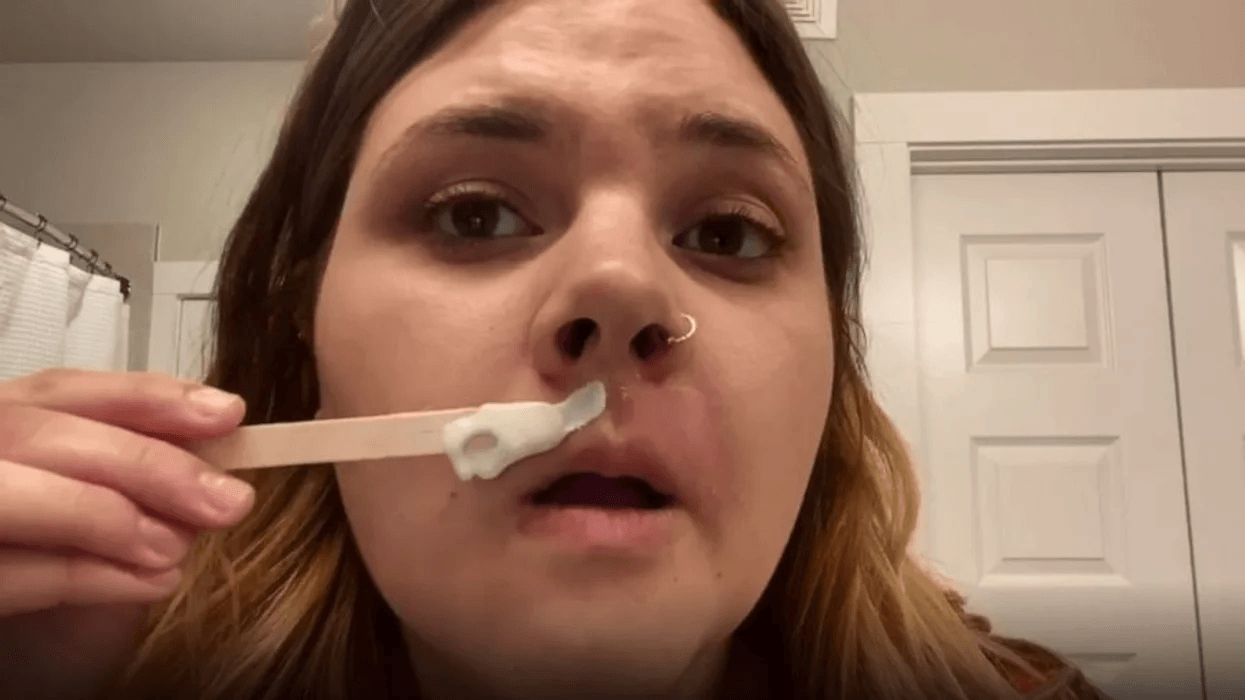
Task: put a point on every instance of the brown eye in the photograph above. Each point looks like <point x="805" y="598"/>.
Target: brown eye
<point x="729" y="235"/>
<point x="478" y="217"/>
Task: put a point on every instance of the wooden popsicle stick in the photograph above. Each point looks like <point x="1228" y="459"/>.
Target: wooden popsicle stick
<point x="330" y="441"/>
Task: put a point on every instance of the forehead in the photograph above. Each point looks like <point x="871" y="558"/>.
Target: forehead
<point x="628" y="60"/>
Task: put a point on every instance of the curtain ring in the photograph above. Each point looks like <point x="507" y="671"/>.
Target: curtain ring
<point x="92" y="260"/>
<point x="73" y="241"/>
<point x="40" y="229"/>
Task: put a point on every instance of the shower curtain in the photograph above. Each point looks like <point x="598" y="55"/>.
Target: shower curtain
<point x="53" y="314"/>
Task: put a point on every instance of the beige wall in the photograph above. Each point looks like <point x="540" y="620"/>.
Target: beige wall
<point x="935" y="45"/>
<point x="178" y="145"/>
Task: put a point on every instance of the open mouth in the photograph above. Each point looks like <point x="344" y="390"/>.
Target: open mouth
<point x="588" y="490"/>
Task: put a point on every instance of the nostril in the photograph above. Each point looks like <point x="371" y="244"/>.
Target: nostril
<point x="574" y="336"/>
<point x="650" y="342"/>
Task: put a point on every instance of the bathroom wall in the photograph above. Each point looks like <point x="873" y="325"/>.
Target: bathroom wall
<point x="177" y="145"/>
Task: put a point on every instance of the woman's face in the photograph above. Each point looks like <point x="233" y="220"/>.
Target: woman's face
<point x="527" y="205"/>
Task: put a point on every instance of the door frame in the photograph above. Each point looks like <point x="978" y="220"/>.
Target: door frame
<point x="172" y="283"/>
<point x="898" y="135"/>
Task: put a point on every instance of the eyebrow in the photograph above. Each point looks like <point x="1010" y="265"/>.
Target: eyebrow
<point x="501" y="122"/>
<point x="717" y="129"/>
<point x="505" y="121"/>
<point x="527" y="123"/>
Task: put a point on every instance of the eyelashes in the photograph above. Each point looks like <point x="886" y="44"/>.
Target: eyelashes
<point x="477" y="213"/>
<point x="474" y="212"/>
<point x="736" y="233"/>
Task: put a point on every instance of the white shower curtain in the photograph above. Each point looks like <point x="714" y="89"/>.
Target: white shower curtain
<point x="53" y="314"/>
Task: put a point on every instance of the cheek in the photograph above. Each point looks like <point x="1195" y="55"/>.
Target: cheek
<point x="391" y="336"/>
<point x="777" y="386"/>
<point x="424" y="536"/>
<point x="391" y="500"/>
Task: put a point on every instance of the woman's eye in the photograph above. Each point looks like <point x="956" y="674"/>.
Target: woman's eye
<point x="730" y="235"/>
<point x="478" y="218"/>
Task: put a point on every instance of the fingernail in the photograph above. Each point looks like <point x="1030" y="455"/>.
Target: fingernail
<point x="226" y="494"/>
<point x="213" y="401"/>
<point x="163" y="545"/>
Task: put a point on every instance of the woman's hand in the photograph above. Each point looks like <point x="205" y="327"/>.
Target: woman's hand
<point x="98" y="507"/>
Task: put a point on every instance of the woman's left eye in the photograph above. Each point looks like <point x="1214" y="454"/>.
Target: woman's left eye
<point x="478" y="217"/>
<point x="730" y="235"/>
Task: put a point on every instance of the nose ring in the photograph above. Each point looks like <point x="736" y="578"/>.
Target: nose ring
<point x="691" y="322"/>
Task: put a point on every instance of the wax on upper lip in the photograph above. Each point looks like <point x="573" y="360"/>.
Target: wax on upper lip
<point x="513" y="431"/>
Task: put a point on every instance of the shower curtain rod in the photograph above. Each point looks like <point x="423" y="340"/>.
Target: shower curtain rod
<point x="45" y="232"/>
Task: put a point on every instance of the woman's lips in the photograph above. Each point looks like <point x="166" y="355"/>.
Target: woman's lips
<point x="600" y="528"/>
<point x="662" y="435"/>
<point x="597" y="455"/>
<point x="598" y="521"/>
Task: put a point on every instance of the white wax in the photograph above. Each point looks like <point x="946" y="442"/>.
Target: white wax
<point x="517" y="430"/>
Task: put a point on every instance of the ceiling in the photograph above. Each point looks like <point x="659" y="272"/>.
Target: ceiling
<point x="39" y="31"/>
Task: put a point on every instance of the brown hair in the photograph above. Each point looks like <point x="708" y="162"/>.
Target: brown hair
<point x="281" y="606"/>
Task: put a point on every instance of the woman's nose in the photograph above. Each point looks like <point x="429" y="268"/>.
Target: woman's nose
<point x="612" y="307"/>
<point x="647" y="344"/>
<point x="608" y="316"/>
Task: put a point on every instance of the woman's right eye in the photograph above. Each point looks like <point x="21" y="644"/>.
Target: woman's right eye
<point x="476" y="216"/>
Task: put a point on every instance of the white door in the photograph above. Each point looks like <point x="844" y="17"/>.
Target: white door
<point x="181" y="314"/>
<point x="1053" y="470"/>
<point x="1206" y="249"/>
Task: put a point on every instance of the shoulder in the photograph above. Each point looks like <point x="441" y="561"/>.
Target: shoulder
<point x="1048" y="673"/>
<point x="1030" y="668"/>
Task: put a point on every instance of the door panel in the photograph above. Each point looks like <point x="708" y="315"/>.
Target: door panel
<point x="193" y="331"/>
<point x="1206" y="249"/>
<point x="181" y="311"/>
<point x="1055" y="492"/>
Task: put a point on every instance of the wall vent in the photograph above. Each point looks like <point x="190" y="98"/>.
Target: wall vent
<point x="815" y="19"/>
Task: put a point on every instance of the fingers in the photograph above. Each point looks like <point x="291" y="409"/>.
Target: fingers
<point x="35" y="580"/>
<point x="44" y="510"/>
<point x="142" y="402"/>
<point x="93" y="509"/>
<point x="154" y="474"/>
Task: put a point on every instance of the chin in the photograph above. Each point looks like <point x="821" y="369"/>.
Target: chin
<point x="619" y="642"/>
<point x="620" y="659"/>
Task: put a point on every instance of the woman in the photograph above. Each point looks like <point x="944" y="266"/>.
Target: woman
<point x="475" y="202"/>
